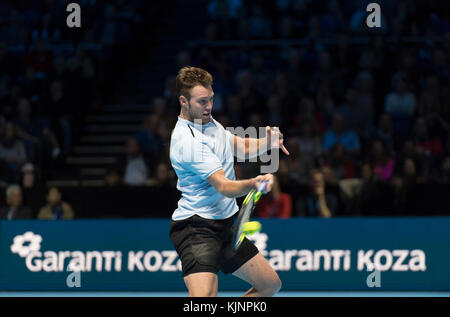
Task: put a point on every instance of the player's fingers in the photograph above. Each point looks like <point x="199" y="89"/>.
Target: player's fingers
<point x="283" y="148"/>
<point x="269" y="180"/>
<point x="258" y="180"/>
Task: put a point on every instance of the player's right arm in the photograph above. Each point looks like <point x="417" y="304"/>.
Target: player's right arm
<point x="237" y="188"/>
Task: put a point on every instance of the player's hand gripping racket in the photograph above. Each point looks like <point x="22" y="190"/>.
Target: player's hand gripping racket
<point x="245" y="212"/>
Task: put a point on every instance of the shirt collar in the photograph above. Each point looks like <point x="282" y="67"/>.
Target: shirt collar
<point x="197" y="126"/>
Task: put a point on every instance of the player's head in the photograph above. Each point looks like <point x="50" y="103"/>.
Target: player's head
<point x="195" y="94"/>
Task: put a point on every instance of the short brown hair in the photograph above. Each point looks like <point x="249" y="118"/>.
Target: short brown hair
<point x="188" y="77"/>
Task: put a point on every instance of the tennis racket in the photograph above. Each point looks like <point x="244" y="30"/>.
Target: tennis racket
<point x="245" y="212"/>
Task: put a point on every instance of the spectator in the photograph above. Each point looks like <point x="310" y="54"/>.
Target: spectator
<point x="82" y="72"/>
<point x="162" y="176"/>
<point x="112" y="178"/>
<point x="383" y="163"/>
<point x="29" y="175"/>
<point x="32" y="86"/>
<point x="375" y="198"/>
<point x="235" y="109"/>
<point x="329" y="175"/>
<point x="299" y="165"/>
<point x="324" y="98"/>
<point x="309" y="140"/>
<point x="307" y="114"/>
<point x="261" y="75"/>
<point x="40" y="142"/>
<point x="411" y="175"/>
<point x="41" y="59"/>
<point x="259" y="24"/>
<point x="47" y="30"/>
<point x="340" y="134"/>
<point x="5" y="59"/>
<point x="342" y="165"/>
<point x="405" y="179"/>
<point x="275" y="204"/>
<point x="318" y="202"/>
<point x="61" y="112"/>
<point x="183" y="59"/>
<point x="274" y="115"/>
<point x="29" y="129"/>
<point x="256" y="120"/>
<point x="59" y="70"/>
<point x="15" y="208"/>
<point x="166" y="114"/>
<point x="445" y="175"/>
<point x="360" y="111"/>
<point x="385" y="132"/>
<point x="12" y="150"/>
<point x="424" y="142"/>
<point x="149" y="138"/>
<point x="351" y="110"/>
<point x="286" y="28"/>
<point x="429" y="100"/>
<point x="247" y="92"/>
<point x="134" y="167"/>
<point x="400" y="103"/>
<point x="283" y="175"/>
<point x="56" y="208"/>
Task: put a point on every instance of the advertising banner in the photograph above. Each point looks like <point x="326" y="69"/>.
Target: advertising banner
<point x="348" y="254"/>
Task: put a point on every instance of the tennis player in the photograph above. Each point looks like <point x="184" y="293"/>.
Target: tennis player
<point x="202" y="155"/>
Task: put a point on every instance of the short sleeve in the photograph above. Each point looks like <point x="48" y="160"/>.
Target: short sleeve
<point x="198" y="158"/>
<point x="229" y="138"/>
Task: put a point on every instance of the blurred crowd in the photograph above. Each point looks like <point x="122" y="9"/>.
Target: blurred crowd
<point x="355" y="114"/>
<point x="359" y="107"/>
<point x="51" y="76"/>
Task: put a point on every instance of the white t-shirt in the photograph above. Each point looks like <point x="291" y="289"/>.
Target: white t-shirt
<point x="196" y="152"/>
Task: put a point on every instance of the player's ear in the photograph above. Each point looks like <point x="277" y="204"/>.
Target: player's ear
<point x="183" y="101"/>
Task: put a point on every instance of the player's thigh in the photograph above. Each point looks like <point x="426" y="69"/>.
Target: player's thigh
<point x="202" y="284"/>
<point x="258" y="273"/>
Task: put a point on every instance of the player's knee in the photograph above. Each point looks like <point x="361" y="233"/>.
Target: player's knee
<point x="203" y="292"/>
<point x="271" y="285"/>
<point x="276" y="285"/>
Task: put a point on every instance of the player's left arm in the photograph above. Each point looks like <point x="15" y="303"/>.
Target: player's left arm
<point x="252" y="147"/>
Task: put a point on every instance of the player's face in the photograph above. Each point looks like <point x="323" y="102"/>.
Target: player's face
<point x="200" y="105"/>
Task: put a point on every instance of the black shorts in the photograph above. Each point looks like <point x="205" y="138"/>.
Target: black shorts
<point x="205" y="245"/>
